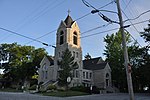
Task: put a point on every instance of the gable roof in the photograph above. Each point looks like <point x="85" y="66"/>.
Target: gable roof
<point x="51" y="60"/>
<point x="68" y="21"/>
<point x="94" y="64"/>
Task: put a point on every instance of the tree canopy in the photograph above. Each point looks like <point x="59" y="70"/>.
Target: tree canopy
<point x="114" y="55"/>
<point x="146" y="33"/>
<point x="138" y="57"/>
<point x="22" y="62"/>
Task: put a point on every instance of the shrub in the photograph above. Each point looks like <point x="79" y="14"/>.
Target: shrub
<point x="81" y="89"/>
<point x="51" y="87"/>
<point x="95" y="90"/>
<point x="33" y="87"/>
<point x="61" y="89"/>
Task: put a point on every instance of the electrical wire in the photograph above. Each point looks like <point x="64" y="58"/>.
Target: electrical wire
<point x="99" y="32"/>
<point x="74" y="20"/>
<point x="113" y="29"/>
<point x="95" y="28"/>
<point x="48" y="10"/>
<point x="41" y="13"/>
<point x="133" y="38"/>
<point x="130" y="21"/>
<point x="134" y="12"/>
<point x="80" y="37"/>
<point x="25" y="36"/>
<point x="127" y="5"/>
<point x="41" y="36"/>
<point x="33" y="12"/>
<point x="138" y="16"/>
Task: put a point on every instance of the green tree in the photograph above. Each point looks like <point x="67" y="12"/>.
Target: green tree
<point x="146" y="33"/>
<point x="23" y="62"/>
<point x="3" y="55"/>
<point x="139" y="61"/>
<point x="145" y="65"/>
<point x="67" y="65"/>
<point x="114" y="55"/>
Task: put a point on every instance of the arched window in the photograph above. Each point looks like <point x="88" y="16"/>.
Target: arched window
<point x="75" y="38"/>
<point x="107" y="79"/>
<point x="107" y="75"/>
<point x="61" y="37"/>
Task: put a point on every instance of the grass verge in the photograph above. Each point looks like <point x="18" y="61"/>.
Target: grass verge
<point x="64" y="93"/>
<point x="10" y="90"/>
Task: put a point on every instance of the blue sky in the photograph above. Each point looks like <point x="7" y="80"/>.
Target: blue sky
<point x="34" y="18"/>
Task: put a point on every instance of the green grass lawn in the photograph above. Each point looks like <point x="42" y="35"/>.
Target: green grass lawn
<point x="10" y="90"/>
<point x="64" y="93"/>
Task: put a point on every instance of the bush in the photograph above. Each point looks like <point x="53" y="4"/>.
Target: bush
<point x="33" y="87"/>
<point x="81" y="89"/>
<point x="61" y="89"/>
<point x="95" y="90"/>
<point x="51" y="87"/>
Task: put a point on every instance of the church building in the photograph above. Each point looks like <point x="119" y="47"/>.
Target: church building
<point x="91" y="72"/>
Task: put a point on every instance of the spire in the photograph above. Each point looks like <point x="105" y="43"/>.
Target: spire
<point x="68" y="21"/>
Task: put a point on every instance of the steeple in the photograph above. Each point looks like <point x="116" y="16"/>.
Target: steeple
<point x="68" y="37"/>
<point x="68" y="21"/>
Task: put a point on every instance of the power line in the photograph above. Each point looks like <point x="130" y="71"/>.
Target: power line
<point x="80" y="37"/>
<point x="37" y="13"/>
<point x="29" y="15"/>
<point x="133" y="38"/>
<point x="41" y="36"/>
<point x="25" y="36"/>
<point x="141" y="22"/>
<point x="48" y="10"/>
<point x="74" y="20"/>
<point x="95" y="28"/>
<point x="83" y="16"/>
<point x="41" y="13"/>
<point x="138" y="16"/>
<point x="105" y="25"/>
<point x="113" y="29"/>
<point x="99" y="13"/>
<point x="99" y="33"/>
<point x="33" y="12"/>
<point x="127" y="5"/>
<point x="133" y="11"/>
<point x="130" y="21"/>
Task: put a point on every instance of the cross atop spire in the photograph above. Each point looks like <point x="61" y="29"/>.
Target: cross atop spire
<point x="68" y="11"/>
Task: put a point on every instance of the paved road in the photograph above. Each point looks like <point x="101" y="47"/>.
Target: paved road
<point x="25" y="96"/>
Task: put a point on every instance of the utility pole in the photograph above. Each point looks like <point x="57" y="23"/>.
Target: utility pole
<point x="127" y="65"/>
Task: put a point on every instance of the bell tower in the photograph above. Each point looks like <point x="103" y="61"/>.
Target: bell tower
<point x="68" y="36"/>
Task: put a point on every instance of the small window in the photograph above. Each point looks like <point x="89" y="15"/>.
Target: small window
<point x="59" y="55"/>
<point x="90" y="75"/>
<point x="42" y="74"/>
<point x="46" y="74"/>
<point x="107" y="75"/>
<point x="61" y="37"/>
<point x="75" y="38"/>
<point x="77" y="73"/>
<point x="74" y="54"/>
<point x="107" y="82"/>
<point x="73" y="73"/>
<point x="87" y="75"/>
<point x="44" y="68"/>
<point x="77" y="55"/>
<point x="83" y="74"/>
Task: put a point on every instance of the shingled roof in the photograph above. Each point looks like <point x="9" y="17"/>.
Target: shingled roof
<point x="68" y="21"/>
<point x="51" y="60"/>
<point x="94" y="64"/>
